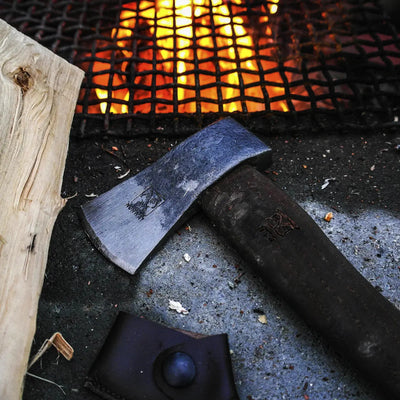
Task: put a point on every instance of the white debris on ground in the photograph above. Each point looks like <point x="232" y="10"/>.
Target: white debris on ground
<point x="327" y="182"/>
<point x="263" y="319"/>
<point x="176" y="306"/>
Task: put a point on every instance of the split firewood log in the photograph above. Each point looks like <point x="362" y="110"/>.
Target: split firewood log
<point x="38" y="94"/>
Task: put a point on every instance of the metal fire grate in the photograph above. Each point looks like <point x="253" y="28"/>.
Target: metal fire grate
<point x="298" y="64"/>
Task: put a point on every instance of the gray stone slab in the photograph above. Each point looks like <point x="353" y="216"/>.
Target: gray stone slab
<point x="282" y="358"/>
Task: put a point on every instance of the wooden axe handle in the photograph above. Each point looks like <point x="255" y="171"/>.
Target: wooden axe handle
<point x="291" y="253"/>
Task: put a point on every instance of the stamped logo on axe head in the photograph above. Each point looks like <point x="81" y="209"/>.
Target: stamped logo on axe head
<point x="153" y="202"/>
<point x="145" y="203"/>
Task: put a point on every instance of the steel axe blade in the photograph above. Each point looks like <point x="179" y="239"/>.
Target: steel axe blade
<point x="128" y="222"/>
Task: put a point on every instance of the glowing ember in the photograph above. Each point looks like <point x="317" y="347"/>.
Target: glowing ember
<point x="197" y="52"/>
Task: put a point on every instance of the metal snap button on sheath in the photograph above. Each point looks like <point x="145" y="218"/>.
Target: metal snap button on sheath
<point x="179" y="369"/>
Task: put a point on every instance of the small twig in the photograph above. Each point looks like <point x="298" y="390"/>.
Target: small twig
<point x="237" y="279"/>
<point x="123" y="151"/>
<point x="116" y="156"/>
<point x="46" y="380"/>
<point x="71" y="197"/>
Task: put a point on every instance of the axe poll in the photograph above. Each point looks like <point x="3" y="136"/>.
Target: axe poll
<point x="268" y="229"/>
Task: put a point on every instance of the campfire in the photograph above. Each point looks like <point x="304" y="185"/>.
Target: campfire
<point x="174" y="66"/>
<point x="201" y="53"/>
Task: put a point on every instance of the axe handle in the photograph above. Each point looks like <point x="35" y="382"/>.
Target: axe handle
<point x="290" y="252"/>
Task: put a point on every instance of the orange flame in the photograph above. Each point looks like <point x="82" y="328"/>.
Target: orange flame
<point x="186" y="38"/>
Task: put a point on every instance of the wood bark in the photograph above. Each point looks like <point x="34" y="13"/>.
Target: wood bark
<point x="38" y="93"/>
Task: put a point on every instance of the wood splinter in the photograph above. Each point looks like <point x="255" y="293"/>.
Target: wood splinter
<point x="58" y="341"/>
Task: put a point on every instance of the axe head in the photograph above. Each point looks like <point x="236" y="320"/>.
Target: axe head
<point x="128" y="222"/>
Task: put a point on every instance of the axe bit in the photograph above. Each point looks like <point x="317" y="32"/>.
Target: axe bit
<point x="267" y="228"/>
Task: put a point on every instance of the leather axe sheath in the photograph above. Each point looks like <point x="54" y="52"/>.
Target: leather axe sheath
<point x="268" y="229"/>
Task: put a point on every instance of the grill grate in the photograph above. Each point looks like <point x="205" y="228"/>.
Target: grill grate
<point x="312" y="64"/>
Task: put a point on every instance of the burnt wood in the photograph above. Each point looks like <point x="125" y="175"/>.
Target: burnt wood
<point x="293" y="256"/>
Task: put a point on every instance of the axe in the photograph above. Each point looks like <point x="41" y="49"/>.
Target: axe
<point x="268" y="229"/>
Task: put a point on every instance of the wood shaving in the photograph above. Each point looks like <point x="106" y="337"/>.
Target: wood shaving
<point x="71" y="197"/>
<point x="327" y="182"/>
<point x="125" y="174"/>
<point x="58" y="341"/>
<point x="263" y="319"/>
<point x="176" y="306"/>
<point x="47" y="381"/>
<point x="328" y="217"/>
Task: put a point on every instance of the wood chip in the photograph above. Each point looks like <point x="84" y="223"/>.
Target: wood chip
<point x="176" y="306"/>
<point x="328" y="217"/>
<point x="263" y="319"/>
<point x="58" y="341"/>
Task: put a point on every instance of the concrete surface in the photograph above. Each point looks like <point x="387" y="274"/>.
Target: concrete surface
<point x="279" y="359"/>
